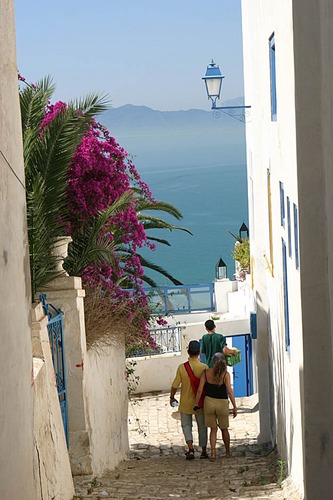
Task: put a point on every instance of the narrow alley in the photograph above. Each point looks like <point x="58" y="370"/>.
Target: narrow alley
<point x="157" y="468"/>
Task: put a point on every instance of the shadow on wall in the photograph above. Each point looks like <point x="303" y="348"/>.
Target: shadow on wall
<point x="272" y="389"/>
<point x="262" y="358"/>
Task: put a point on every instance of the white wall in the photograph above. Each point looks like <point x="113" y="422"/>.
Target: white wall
<point x="313" y="45"/>
<point x="105" y="389"/>
<point x="66" y="293"/>
<point x="298" y="150"/>
<point x="96" y="388"/>
<point x="272" y="145"/>
<point x="16" y="391"/>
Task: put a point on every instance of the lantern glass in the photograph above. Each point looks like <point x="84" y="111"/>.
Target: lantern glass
<point x="213" y="87"/>
<point x="213" y="79"/>
<point x="221" y="270"/>
<point x="243" y="229"/>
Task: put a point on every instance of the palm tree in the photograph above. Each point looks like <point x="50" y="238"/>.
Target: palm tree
<point x="151" y="222"/>
<point x="92" y="243"/>
<point x="48" y="152"/>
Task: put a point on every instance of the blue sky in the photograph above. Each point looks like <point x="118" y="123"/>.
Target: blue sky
<point x="142" y="52"/>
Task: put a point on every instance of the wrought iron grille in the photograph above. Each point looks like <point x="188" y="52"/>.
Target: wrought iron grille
<point x="167" y="340"/>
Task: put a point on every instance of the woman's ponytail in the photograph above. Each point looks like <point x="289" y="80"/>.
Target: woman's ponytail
<point x="219" y="369"/>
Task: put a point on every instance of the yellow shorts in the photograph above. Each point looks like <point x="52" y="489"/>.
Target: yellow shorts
<point x="216" y="410"/>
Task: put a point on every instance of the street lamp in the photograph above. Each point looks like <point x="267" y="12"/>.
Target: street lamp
<point x="213" y="80"/>
<point x="243" y="229"/>
<point x="221" y="270"/>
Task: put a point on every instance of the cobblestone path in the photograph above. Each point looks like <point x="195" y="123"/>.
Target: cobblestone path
<point x="157" y="468"/>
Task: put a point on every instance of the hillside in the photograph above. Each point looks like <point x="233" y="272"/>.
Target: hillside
<point x="176" y="138"/>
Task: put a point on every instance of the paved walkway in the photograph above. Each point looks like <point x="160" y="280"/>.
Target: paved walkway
<point x="157" y="468"/>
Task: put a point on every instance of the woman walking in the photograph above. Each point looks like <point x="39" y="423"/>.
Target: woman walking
<point x="218" y="388"/>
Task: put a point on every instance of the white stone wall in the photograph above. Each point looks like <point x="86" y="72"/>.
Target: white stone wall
<point x="313" y="45"/>
<point x="16" y="393"/>
<point x="272" y="145"/>
<point x="298" y="150"/>
<point x="96" y="388"/>
<point x="53" y="476"/>
<point x="105" y="391"/>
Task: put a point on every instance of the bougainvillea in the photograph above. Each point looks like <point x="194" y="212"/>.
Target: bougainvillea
<point x="101" y="188"/>
<point x="99" y="174"/>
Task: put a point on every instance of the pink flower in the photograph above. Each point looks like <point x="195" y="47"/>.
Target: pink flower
<point x="99" y="174"/>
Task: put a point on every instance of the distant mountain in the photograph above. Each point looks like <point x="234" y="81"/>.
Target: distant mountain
<point x="176" y="138"/>
<point x="137" y="117"/>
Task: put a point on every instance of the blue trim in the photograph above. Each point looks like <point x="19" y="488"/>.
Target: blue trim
<point x="289" y="227"/>
<point x="282" y="205"/>
<point x="296" y="236"/>
<point x="272" y="66"/>
<point x="253" y="325"/>
<point x="249" y="364"/>
<point x="242" y="372"/>
<point x="181" y="299"/>
<point x="285" y="295"/>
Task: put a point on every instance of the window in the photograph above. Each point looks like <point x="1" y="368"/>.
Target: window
<point x="285" y="296"/>
<point x="289" y="226"/>
<point x="270" y="224"/>
<point x="296" y="236"/>
<point x="282" y="206"/>
<point x="273" y="77"/>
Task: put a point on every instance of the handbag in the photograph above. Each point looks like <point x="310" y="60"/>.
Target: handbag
<point x="195" y="381"/>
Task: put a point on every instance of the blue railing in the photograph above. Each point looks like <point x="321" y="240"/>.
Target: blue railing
<point x="181" y="299"/>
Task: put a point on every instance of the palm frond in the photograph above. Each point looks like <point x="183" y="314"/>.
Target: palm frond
<point x="162" y="206"/>
<point x="237" y="238"/>
<point x="47" y="156"/>
<point x="92" y="104"/>
<point x="149" y="281"/>
<point x="159" y="240"/>
<point x="154" y="267"/>
<point x="156" y="223"/>
<point x="92" y="245"/>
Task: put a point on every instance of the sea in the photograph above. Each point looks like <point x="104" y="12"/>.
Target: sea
<point x="197" y="163"/>
<point x="213" y="200"/>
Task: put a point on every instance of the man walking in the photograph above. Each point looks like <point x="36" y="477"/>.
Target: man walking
<point x="214" y="342"/>
<point x="187" y="400"/>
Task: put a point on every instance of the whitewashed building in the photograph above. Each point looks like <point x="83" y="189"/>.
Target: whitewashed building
<point x="16" y="382"/>
<point x="288" y="73"/>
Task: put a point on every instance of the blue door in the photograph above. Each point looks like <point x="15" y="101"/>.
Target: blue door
<point x="56" y="338"/>
<point x="242" y="372"/>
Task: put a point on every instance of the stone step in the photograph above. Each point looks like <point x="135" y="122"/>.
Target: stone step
<point x="175" y="477"/>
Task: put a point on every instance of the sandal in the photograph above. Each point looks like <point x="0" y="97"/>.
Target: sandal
<point x="190" y="454"/>
<point x="204" y="455"/>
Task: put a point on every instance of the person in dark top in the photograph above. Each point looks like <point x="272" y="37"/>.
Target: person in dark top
<point x="214" y="342"/>
<point x="218" y="388"/>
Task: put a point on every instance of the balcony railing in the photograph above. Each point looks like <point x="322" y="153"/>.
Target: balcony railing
<point x="167" y="340"/>
<point x="181" y="299"/>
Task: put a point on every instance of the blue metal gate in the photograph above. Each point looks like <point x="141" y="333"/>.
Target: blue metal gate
<point x="56" y="336"/>
<point x="242" y="372"/>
